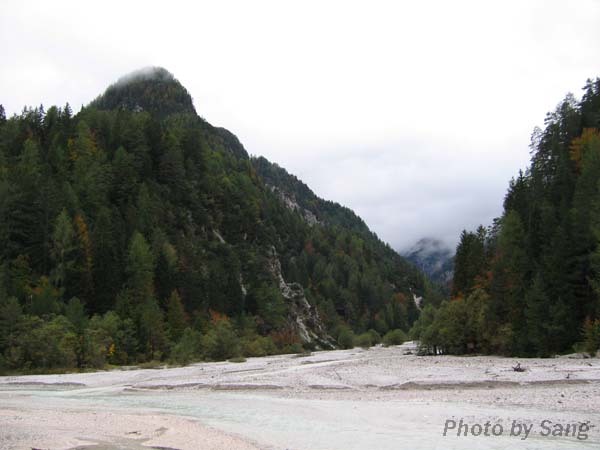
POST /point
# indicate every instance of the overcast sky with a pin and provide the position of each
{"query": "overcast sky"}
(415, 114)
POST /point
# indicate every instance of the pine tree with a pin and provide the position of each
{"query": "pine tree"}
(63, 249)
(469, 262)
(152, 329)
(140, 269)
(510, 271)
(537, 316)
(176, 317)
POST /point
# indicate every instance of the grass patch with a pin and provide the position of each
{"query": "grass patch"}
(237, 359)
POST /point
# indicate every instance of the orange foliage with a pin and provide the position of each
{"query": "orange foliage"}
(73, 155)
(589, 137)
(284, 337)
(483, 280)
(400, 298)
(85, 245)
(308, 247)
(216, 317)
(43, 286)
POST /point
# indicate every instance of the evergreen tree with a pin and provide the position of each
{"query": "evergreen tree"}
(63, 249)
(176, 318)
(136, 198)
(152, 329)
(140, 269)
(537, 316)
(469, 262)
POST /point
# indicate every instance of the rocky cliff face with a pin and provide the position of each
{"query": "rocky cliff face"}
(302, 316)
(293, 205)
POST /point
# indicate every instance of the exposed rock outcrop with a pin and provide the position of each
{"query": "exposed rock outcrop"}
(418, 300)
(302, 316)
(292, 204)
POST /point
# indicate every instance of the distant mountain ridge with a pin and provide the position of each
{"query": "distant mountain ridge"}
(434, 258)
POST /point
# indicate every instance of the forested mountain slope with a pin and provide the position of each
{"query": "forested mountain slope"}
(530, 283)
(434, 258)
(135, 230)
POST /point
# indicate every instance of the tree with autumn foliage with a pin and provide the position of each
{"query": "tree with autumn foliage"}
(539, 265)
(127, 227)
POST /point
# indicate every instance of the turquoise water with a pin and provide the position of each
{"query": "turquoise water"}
(293, 423)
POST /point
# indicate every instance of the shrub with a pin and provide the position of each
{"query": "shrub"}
(394, 337)
(346, 338)
(364, 340)
(50, 344)
(188, 348)
(97, 345)
(292, 348)
(591, 336)
(259, 346)
(109, 339)
(221, 342)
(152, 364)
(375, 337)
(237, 359)
(284, 337)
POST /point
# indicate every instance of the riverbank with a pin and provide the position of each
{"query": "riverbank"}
(268, 402)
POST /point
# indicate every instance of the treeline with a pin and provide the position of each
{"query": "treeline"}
(530, 283)
(136, 231)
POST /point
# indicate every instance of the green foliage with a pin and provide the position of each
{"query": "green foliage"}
(75, 312)
(221, 342)
(259, 346)
(135, 220)
(394, 337)
(153, 336)
(63, 249)
(269, 307)
(151, 89)
(189, 347)
(591, 336)
(11, 327)
(375, 337)
(237, 359)
(294, 348)
(111, 339)
(346, 338)
(470, 262)
(49, 344)
(420, 328)
(176, 318)
(536, 304)
(364, 340)
(140, 269)
(528, 285)
(44, 298)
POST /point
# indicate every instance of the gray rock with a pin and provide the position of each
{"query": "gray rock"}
(302, 316)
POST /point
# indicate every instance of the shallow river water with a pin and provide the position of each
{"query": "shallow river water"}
(295, 423)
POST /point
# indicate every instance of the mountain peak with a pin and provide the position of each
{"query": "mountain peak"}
(434, 258)
(147, 73)
(152, 89)
(428, 245)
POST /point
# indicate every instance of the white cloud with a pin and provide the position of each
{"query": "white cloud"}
(415, 114)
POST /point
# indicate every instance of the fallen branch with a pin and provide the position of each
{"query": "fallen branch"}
(518, 368)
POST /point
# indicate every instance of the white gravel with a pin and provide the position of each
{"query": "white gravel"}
(273, 401)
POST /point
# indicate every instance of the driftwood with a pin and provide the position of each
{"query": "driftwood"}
(518, 368)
